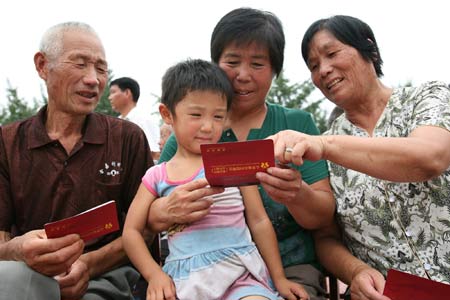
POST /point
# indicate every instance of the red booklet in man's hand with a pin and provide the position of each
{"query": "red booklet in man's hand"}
(236, 163)
(89, 224)
(404, 286)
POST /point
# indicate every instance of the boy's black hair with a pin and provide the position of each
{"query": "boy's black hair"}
(125, 83)
(193, 75)
(246, 25)
(350, 31)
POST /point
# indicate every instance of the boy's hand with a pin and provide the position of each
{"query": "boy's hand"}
(290, 290)
(161, 287)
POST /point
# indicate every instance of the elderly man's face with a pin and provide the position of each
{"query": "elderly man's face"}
(76, 78)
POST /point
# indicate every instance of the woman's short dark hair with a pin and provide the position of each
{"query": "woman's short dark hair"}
(350, 31)
(246, 25)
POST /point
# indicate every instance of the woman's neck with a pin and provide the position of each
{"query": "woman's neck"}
(242, 121)
(366, 113)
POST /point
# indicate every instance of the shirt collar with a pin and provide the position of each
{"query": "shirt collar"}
(94, 131)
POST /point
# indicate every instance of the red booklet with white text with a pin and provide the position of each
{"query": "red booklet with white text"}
(90, 224)
(236, 163)
(404, 286)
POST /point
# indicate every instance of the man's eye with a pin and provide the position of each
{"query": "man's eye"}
(101, 70)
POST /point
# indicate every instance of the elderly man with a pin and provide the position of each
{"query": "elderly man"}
(62, 161)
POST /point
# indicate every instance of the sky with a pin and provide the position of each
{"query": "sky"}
(142, 38)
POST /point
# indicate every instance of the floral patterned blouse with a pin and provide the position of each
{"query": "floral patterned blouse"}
(404, 226)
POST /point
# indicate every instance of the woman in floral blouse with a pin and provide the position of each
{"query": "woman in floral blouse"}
(389, 156)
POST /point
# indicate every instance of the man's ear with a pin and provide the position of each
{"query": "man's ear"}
(165, 113)
(374, 53)
(129, 94)
(41, 65)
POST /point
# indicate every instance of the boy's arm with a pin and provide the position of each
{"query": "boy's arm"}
(132, 236)
(265, 239)
(262, 231)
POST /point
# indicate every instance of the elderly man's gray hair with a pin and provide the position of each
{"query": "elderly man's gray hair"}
(51, 42)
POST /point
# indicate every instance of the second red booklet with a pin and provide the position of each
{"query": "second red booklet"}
(90, 224)
(236, 163)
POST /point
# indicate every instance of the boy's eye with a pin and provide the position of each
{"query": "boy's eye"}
(219, 117)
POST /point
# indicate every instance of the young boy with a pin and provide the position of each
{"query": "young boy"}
(215, 257)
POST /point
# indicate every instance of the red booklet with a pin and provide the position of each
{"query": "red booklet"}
(404, 286)
(236, 163)
(89, 224)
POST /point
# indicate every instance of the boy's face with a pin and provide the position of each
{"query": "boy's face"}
(199, 119)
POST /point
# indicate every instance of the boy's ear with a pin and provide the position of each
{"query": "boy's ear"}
(165, 113)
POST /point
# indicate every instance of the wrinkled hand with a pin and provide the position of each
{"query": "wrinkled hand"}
(368, 284)
(302, 146)
(281, 184)
(74, 283)
(290, 290)
(188, 202)
(161, 287)
(48, 256)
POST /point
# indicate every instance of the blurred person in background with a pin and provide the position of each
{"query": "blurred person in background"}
(124, 94)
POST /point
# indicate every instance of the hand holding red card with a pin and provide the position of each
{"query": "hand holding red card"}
(236, 163)
(404, 286)
(89, 224)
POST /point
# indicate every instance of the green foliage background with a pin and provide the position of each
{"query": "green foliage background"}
(18, 108)
(296, 95)
(292, 95)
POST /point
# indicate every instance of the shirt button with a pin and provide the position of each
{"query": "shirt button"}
(427, 267)
(65, 163)
(392, 199)
(408, 233)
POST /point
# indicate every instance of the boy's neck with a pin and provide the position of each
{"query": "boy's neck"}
(183, 165)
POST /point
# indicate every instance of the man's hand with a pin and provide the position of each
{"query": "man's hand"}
(74, 283)
(368, 284)
(186, 204)
(47, 256)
